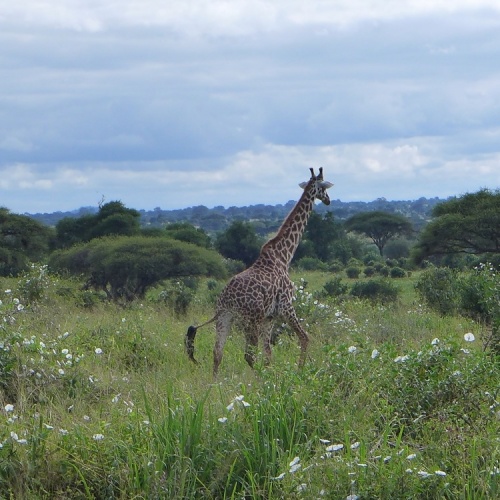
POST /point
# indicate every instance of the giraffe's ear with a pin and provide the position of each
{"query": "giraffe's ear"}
(326, 184)
(303, 185)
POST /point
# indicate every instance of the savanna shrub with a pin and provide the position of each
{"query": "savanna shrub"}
(33, 284)
(352, 272)
(379, 290)
(335, 266)
(369, 271)
(437, 288)
(335, 287)
(397, 272)
(480, 298)
(178, 296)
(384, 271)
(311, 264)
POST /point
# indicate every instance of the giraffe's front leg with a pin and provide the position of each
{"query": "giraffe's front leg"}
(290, 317)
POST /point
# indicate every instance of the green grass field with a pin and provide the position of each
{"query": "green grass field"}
(394, 402)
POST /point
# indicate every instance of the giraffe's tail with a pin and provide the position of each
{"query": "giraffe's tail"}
(190, 336)
(189, 343)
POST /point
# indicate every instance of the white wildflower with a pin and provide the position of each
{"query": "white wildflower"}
(98, 350)
(334, 447)
(295, 465)
(222, 420)
(352, 349)
(375, 354)
(98, 437)
(469, 337)
(9, 408)
(280, 477)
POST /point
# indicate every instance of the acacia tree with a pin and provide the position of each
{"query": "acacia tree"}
(126, 267)
(469, 224)
(379, 226)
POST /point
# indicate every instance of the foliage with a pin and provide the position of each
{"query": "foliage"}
(397, 272)
(178, 295)
(378, 290)
(22, 240)
(395, 249)
(126, 267)
(239, 242)
(33, 284)
(113, 218)
(469, 224)
(322, 232)
(335, 287)
(474, 293)
(189, 233)
(352, 272)
(437, 288)
(311, 264)
(379, 226)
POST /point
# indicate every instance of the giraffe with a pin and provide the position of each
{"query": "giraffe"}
(264, 292)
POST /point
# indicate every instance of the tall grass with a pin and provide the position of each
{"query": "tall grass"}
(100, 401)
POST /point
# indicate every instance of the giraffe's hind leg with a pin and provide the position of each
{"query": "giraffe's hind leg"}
(223, 327)
(251, 343)
(267, 331)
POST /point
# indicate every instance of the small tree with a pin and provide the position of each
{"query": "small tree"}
(239, 242)
(22, 240)
(379, 226)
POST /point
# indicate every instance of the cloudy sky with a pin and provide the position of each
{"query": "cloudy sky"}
(163, 103)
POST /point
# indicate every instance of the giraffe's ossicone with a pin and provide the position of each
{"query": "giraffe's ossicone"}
(264, 292)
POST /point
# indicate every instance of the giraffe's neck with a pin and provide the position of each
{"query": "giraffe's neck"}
(282, 247)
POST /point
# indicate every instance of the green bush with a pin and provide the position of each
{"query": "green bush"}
(369, 271)
(397, 272)
(384, 271)
(437, 288)
(335, 287)
(352, 272)
(178, 295)
(375, 290)
(311, 264)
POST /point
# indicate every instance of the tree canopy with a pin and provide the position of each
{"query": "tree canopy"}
(183, 231)
(126, 267)
(239, 242)
(469, 224)
(113, 218)
(22, 240)
(379, 226)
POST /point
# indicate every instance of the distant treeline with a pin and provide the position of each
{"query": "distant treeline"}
(265, 218)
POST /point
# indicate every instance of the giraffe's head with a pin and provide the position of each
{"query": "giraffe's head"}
(317, 186)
